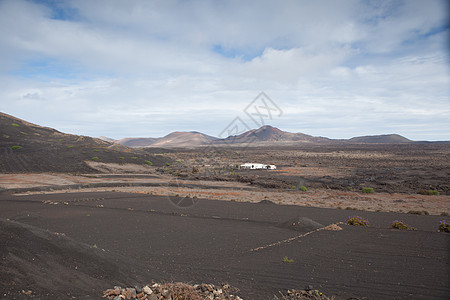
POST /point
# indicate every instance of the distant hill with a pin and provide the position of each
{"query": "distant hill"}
(174, 139)
(265, 135)
(136, 142)
(380, 139)
(268, 133)
(27, 147)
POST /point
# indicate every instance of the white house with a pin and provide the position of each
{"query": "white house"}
(254, 166)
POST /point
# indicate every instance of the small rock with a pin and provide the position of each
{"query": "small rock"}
(120, 297)
(147, 290)
(152, 297)
(132, 291)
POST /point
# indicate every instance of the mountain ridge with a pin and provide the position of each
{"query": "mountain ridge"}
(263, 135)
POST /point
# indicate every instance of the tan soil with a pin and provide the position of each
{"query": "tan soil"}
(234, 191)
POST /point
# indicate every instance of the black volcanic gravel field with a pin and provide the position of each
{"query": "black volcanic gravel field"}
(88, 242)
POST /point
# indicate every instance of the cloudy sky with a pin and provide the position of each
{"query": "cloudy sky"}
(142, 68)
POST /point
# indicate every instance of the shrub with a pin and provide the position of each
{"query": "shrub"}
(428, 192)
(418, 212)
(179, 161)
(367, 190)
(148, 162)
(293, 187)
(303, 188)
(15, 125)
(133, 157)
(95, 158)
(444, 226)
(16, 147)
(357, 221)
(400, 225)
(287, 260)
(96, 150)
(69, 147)
(122, 157)
(167, 164)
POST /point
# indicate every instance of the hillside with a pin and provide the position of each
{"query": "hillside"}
(27, 147)
(271, 134)
(174, 139)
(380, 139)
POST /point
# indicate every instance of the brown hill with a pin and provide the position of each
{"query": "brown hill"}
(380, 139)
(268, 133)
(174, 139)
(27, 147)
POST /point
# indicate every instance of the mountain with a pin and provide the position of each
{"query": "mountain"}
(380, 139)
(136, 142)
(27, 147)
(268, 133)
(174, 139)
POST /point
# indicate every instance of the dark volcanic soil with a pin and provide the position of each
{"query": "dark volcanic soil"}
(212, 242)
(391, 168)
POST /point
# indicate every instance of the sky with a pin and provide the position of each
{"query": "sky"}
(143, 68)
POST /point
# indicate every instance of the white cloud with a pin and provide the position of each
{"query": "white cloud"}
(335, 67)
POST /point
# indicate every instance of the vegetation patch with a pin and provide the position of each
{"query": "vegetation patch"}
(418, 212)
(429, 192)
(15, 125)
(367, 190)
(95, 158)
(444, 226)
(148, 162)
(303, 188)
(400, 225)
(287, 260)
(16, 147)
(358, 221)
(133, 157)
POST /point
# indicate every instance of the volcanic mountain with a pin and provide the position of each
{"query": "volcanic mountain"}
(174, 139)
(380, 139)
(27, 147)
(268, 133)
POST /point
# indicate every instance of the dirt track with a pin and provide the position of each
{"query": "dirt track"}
(212, 241)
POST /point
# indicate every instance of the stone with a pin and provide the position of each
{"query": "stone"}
(152, 297)
(146, 289)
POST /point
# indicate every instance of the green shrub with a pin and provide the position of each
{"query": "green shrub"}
(96, 150)
(122, 157)
(179, 161)
(15, 125)
(60, 140)
(16, 147)
(429, 192)
(303, 188)
(167, 164)
(400, 225)
(148, 162)
(357, 221)
(133, 157)
(444, 226)
(287, 260)
(367, 190)
(69, 147)
(95, 158)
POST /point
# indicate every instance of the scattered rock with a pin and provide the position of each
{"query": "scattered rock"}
(172, 291)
